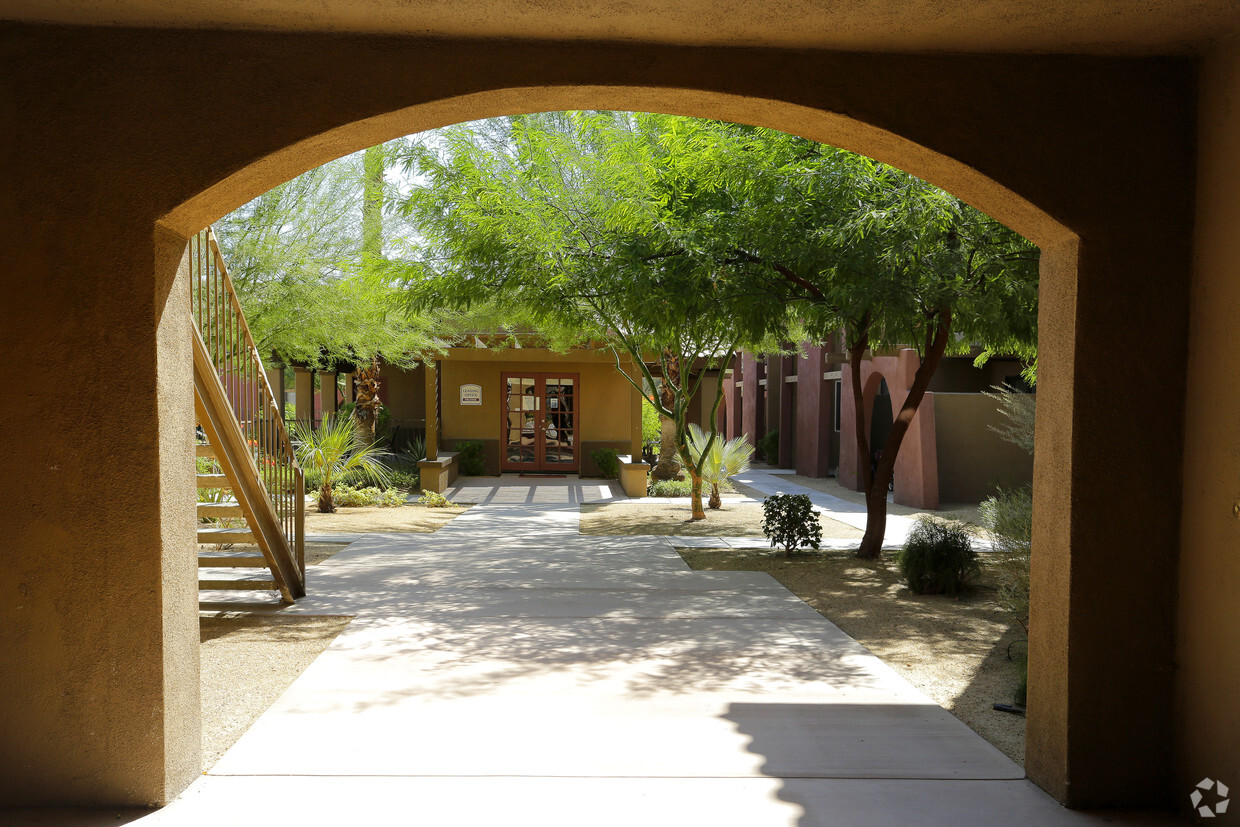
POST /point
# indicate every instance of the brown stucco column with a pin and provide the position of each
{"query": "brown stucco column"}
(303, 395)
(787, 411)
(751, 399)
(99, 682)
(635, 414)
(430, 377)
(772, 396)
(813, 454)
(350, 389)
(275, 378)
(327, 394)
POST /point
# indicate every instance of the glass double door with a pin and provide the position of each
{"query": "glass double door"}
(540, 422)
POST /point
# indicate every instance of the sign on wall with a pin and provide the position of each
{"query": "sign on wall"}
(471, 394)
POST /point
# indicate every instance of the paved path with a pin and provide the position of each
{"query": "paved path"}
(507, 670)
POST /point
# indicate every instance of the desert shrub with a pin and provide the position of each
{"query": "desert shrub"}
(651, 429)
(768, 446)
(470, 460)
(670, 488)
(789, 520)
(724, 460)
(1008, 516)
(433, 499)
(403, 480)
(416, 451)
(607, 462)
(358, 497)
(938, 557)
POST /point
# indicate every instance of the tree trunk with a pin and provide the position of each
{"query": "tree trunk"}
(327, 505)
(367, 404)
(698, 512)
(715, 501)
(668, 467)
(876, 488)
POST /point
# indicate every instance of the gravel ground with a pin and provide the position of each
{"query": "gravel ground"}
(412, 518)
(247, 663)
(952, 650)
(649, 516)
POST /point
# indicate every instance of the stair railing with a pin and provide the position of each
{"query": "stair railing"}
(243, 420)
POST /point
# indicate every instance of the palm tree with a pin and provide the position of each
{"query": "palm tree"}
(334, 449)
(723, 461)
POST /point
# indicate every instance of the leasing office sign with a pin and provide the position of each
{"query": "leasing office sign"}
(471, 394)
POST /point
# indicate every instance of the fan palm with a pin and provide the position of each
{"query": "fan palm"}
(723, 461)
(333, 450)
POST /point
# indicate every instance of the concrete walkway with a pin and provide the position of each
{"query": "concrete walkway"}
(507, 670)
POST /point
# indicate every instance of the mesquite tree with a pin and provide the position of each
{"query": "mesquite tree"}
(866, 249)
(569, 218)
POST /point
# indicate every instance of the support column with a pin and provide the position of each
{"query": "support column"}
(813, 457)
(99, 671)
(327, 394)
(275, 378)
(303, 391)
(773, 398)
(635, 415)
(751, 399)
(432, 407)
(787, 411)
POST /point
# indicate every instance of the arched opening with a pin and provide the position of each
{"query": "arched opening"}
(878, 399)
(1102, 147)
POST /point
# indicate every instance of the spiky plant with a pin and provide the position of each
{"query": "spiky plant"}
(723, 461)
(334, 449)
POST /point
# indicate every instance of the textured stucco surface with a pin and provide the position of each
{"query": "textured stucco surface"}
(1209, 635)
(111, 132)
(1065, 26)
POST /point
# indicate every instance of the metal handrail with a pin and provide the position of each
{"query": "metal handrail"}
(230, 346)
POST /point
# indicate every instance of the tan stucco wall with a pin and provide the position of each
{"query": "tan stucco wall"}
(973, 459)
(603, 411)
(111, 132)
(1208, 667)
(404, 391)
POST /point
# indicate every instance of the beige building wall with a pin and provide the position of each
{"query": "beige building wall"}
(973, 459)
(603, 414)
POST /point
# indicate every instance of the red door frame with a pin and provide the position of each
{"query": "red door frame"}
(539, 464)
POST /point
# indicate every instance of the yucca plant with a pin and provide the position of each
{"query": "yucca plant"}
(333, 450)
(723, 461)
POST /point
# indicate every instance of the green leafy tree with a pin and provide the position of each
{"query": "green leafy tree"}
(566, 217)
(306, 271)
(858, 247)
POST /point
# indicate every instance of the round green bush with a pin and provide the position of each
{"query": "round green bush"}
(938, 558)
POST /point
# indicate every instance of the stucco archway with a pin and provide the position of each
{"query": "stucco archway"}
(184, 126)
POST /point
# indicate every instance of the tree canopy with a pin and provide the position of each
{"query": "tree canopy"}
(310, 294)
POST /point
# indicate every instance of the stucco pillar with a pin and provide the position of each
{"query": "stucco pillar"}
(751, 399)
(772, 396)
(635, 414)
(275, 378)
(327, 394)
(303, 394)
(350, 389)
(787, 411)
(813, 454)
(432, 406)
(99, 677)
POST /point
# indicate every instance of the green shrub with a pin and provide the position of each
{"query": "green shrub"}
(768, 446)
(470, 460)
(938, 557)
(1008, 516)
(409, 481)
(433, 499)
(670, 488)
(789, 520)
(651, 429)
(607, 462)
(358, 497)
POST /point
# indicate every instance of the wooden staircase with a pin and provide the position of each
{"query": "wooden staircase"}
(255, 539)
